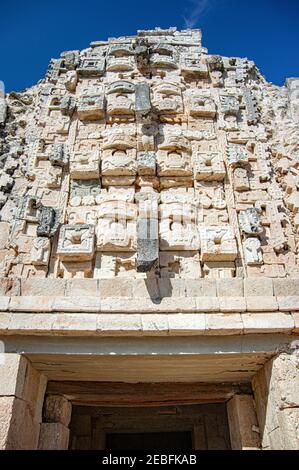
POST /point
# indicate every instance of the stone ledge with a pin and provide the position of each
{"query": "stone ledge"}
(93, 304)
(174, 324)
(268, 322)
(151, 287)
(144, 295)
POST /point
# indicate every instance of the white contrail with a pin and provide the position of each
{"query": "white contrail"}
(195, 11)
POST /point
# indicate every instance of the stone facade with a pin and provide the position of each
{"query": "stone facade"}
(150, 188)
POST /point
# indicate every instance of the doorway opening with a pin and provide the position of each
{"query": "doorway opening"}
(177, 427)
(150, 441)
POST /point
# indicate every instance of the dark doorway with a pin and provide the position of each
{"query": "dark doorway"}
(174, 427)
(150, 441)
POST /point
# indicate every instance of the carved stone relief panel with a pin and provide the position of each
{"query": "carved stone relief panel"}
(91, 66)
(116, 228)
(118, 162)
(191, 65)
(237, 155)
(85, 165)
(84, 192)
(146, 163)
(218, 244)
(250, 222)
(181, 264)
(209, 166)
(167, 98)
(113, 264)
(120, 64)
(116, 234)
(178, 228)
(40, 252)
(219, 270)
(252, 251)
(91, 106)
(173, 163)
(120, 98)
(200, 103)
(76, 242)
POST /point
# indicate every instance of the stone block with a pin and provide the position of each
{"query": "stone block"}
(285, 380)
(147, 288)
(57, 409)
(207, 304)
(258, 287)
(286, 287)
(116, 288)
(77, 287)
(170, 287)
(119, 324)
(35, 323)
(31, 303)
(295, 317)
(289, 428)
(154, 324)
(288, 303)
(4, 234)
(232, 304)
(175, 304)
(276, 396)
(72, 323)
(232, 287)
(53, 436)
(4, 321)
(18, 431)
(261, 304)
(201, 288)
(243, 426)
(147, 244)
(191, 324)
(44, 287)
(267, 322)
(4, 303)
(10, 287)
(34, 391)
(224, 324)
(13, 373)
(76, 304)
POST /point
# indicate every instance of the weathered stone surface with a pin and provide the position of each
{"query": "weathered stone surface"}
(18, 431)
(286, 287)
(53, 436)
(267, 322)
(230, 287)
(22, 390)
(258, 287)
(57, 409)
(42, 287)
(150, 188)
(201, 288)
(244, 433)
(223, 324)
(147, 244)
(276, 396)
(254, 304)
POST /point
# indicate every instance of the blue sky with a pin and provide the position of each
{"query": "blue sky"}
(33, 31)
